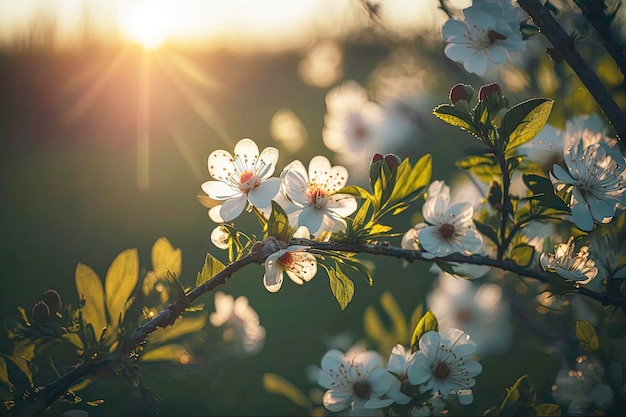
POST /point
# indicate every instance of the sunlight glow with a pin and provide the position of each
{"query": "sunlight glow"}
(147, 22)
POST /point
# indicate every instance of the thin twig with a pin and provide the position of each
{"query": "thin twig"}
(566, 46)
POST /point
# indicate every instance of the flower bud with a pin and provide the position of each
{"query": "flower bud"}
(489, 90)
(41, 312)
(461, 92)
(220, 237)
(392, 161)
(377, 157)
(53, 300)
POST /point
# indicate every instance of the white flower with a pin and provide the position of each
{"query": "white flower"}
(242, 322)
(241, 178)
(220, 237)
(478, 309)
(583, 388)
(484, 37)
(357, 381)
(576, 267)
(442, 364)
(397, 365)
(313, 194)
(352, 123)
(597, 180)
(449, 228)
(299, 265)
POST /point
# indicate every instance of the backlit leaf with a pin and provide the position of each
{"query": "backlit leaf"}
(547, 409)
(166, 353)
(522, 254)
(90, 289)
(278, 223)
(183, 326)
(393, 310)
(454, 117)
(341, 286)
(586, 335)
(119, 285)
(276, 384)
(524, 121)
(212, 266)
(426, 324)
(165, 258)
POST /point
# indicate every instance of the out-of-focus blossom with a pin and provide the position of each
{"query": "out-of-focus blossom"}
(569, 264)
(241, 178)
(357, 381)
(483, 39)
(352, 122)
(322, 64)
(443, 364)
(314, 196)
(583, 389)
(477, 309)
(288, 130)
(449, 228)
(298, 264)
(595, 176)
(241, 321)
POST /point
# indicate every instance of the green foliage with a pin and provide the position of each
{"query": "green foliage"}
(212, 266)
(426, 324)
(522, 254)
(587, 336)
(523, 122)
(393, 192)
(385, 339)
(278, 223)
(277, 384)
(341, 286)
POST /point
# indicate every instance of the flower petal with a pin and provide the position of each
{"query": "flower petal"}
(219, 190)
(266, 164)
(233, 207)
(342, 205)
(262, 195)
(273, 278)
(311, 218)
(582, 216)
(221, 166)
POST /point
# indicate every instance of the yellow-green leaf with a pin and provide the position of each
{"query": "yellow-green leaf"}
(586, 335)
(165, 258)
(426, 324)
(341, 286)
(276, 384)
(524, 121)
(454, 117)
(183, 326)
(119, 285)
(4, 375)
(393, 310)
(375, 329)
(167, 353)
(547, 409)
(89, 288)
(212, 266)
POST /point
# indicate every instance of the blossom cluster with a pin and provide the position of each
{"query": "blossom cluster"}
(422, 380)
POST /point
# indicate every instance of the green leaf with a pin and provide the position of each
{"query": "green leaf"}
(483, 166)
(411, 184)
(341, 286)
(547, 409)
(586, 335)
(487, 230)
(522, 254)
(89, 288)
(356, 191)
(375, 329)
(494, 196)
(119, 284)
(167, 353)
(276, 384)
(19, 377)
(524, 121)
(454, 117)
(393, 310)
(543, 192)
(212, 266)
(426, 324)
(165, 258)
(278, 223)
(183, 326)
(512, 394)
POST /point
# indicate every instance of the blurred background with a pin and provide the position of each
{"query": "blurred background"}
(109, 110)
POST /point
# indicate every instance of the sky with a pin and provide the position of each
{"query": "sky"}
(289, 22)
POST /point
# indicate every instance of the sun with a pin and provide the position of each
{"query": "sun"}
(147, 22)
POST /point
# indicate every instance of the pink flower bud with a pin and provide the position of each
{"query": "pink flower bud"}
(461, 92)
(392, 161)
(41, 312)
(53, 300)
(377, 157)
(489, 90)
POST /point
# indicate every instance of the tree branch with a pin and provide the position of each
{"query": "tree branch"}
(258, 255)
(565, 45)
